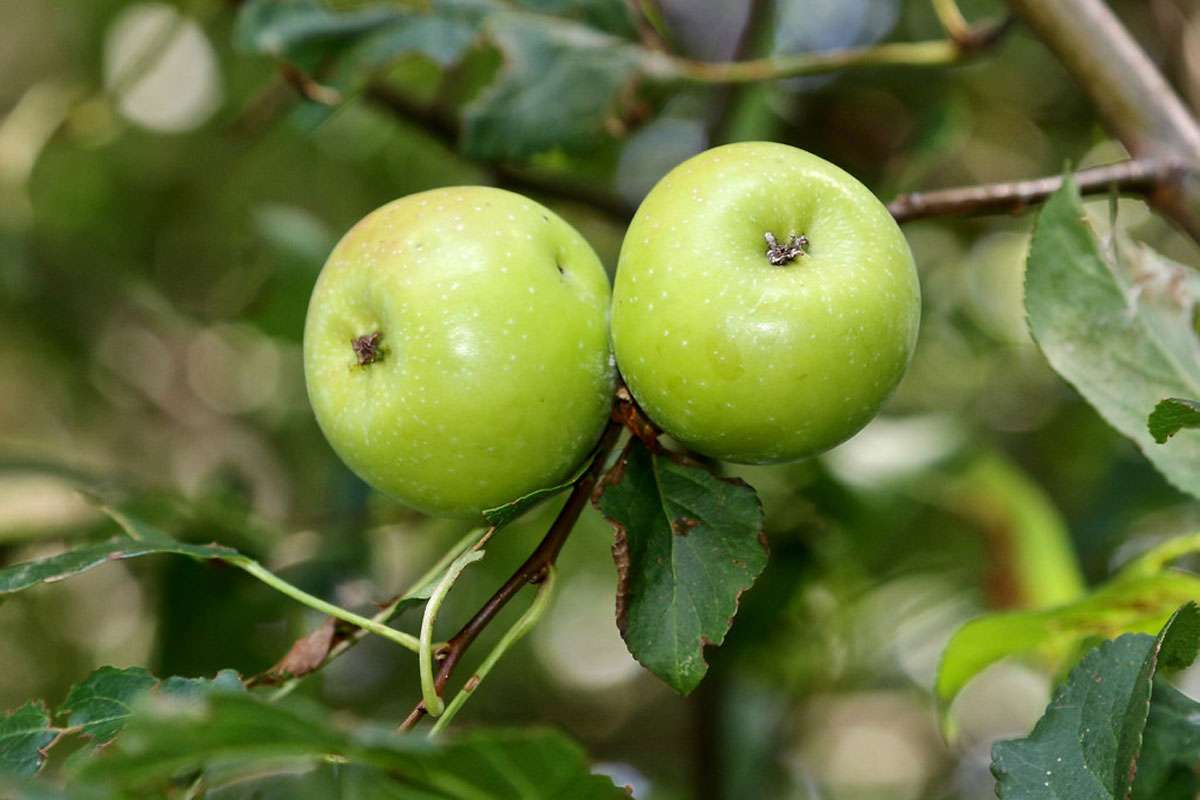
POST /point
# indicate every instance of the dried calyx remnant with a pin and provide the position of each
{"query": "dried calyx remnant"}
(367, 349)
(785, 253)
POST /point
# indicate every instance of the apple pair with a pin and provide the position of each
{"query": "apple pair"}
(457, 354)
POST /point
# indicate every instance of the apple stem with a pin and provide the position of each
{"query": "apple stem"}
(781, 254)
(367, 349)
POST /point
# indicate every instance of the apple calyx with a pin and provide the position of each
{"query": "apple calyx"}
(781, 254)
(367, 349)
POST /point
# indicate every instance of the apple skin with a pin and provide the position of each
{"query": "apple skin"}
(493, 376)
(748, 362)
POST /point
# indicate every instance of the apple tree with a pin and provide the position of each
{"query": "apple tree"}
(613, 275)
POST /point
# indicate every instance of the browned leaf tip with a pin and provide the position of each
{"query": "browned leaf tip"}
(614, 475)
(620, 551)
(306, 655)
(626, 412)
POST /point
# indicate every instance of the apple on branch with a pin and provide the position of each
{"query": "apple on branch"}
(456, 349)
(766, 304)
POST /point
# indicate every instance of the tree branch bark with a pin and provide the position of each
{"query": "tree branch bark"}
(1132, 97)
(1138, 176)
(532, 571)
(931, 53)
(445, 128)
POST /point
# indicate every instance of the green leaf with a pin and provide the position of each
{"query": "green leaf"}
(226, 680)
(16, 577)
(281, 27)
(29, 789)
(164, 739)
(323, 782)
(1139, 603)
(442, 35)
(688, 543)
(502, 515)
(101, 703)
(1170, 747)
(1117, 326)
(611, 16)
(1172, 415)
(1086, 745)
(1031, 533)
(24, 735)
(557, 88)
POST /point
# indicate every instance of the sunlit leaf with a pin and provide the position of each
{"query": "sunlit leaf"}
(1086, 745)
(1027, 533)
(1134, 603)
(1117, 323)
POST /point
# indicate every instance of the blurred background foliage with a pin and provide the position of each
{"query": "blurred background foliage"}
(166, 200)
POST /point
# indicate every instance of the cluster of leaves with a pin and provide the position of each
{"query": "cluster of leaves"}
(540, 76)
(172, 729)
(688, 544)
(1115, 729)
(565, 77)
(97, 709)
(1115, 319)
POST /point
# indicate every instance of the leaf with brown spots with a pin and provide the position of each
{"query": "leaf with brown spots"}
(687, 544)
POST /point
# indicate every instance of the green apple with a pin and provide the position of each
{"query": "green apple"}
(765, 305)
(456, 349)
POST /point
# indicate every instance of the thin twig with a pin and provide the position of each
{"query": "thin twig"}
(1133, 99)
(252, 567)
(952, 19)
(936, 52)
(523, 625)
(1137, 176)
(444, 127)
(472, 541)
(532, 571)
(309, 87)
(647, 18)
(431, 698)
(726, 100)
